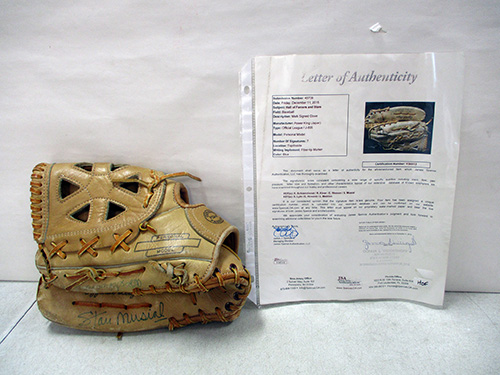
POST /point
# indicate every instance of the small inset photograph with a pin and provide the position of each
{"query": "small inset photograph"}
(398, 127)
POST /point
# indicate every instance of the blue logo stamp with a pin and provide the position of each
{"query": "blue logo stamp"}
(285, 231)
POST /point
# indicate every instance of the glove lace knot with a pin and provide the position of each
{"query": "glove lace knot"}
(97, 274)
(178, 273)
(157, 180)
(84, 274)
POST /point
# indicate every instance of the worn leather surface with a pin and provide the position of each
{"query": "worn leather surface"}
(138, 233)
(97, 189)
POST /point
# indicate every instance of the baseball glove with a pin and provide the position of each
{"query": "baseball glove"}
(398, 128)
(120, 248)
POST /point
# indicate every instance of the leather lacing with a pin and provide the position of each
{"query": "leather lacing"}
(176, 273)
(120, 241)
(203, 317)
(96, 275)
(89, 273)
(153, 184)
(219, 280)
(112, 305)
(88, 247)
(241, 281)
(374, 112)
(36, 185)
(391, 142)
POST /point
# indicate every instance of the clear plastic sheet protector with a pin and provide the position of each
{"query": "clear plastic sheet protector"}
(350, 164)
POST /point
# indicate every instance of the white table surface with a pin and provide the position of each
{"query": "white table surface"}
(383, 337)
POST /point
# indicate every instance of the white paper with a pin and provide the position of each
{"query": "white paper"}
(334, 210)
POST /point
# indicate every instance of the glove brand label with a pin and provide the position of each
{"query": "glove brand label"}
(169, 243)
(212, 217)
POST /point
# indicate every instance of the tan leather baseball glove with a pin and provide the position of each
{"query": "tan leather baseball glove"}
(399, 128)
(120, 248)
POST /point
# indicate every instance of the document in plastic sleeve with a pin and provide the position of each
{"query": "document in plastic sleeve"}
(350, 164)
